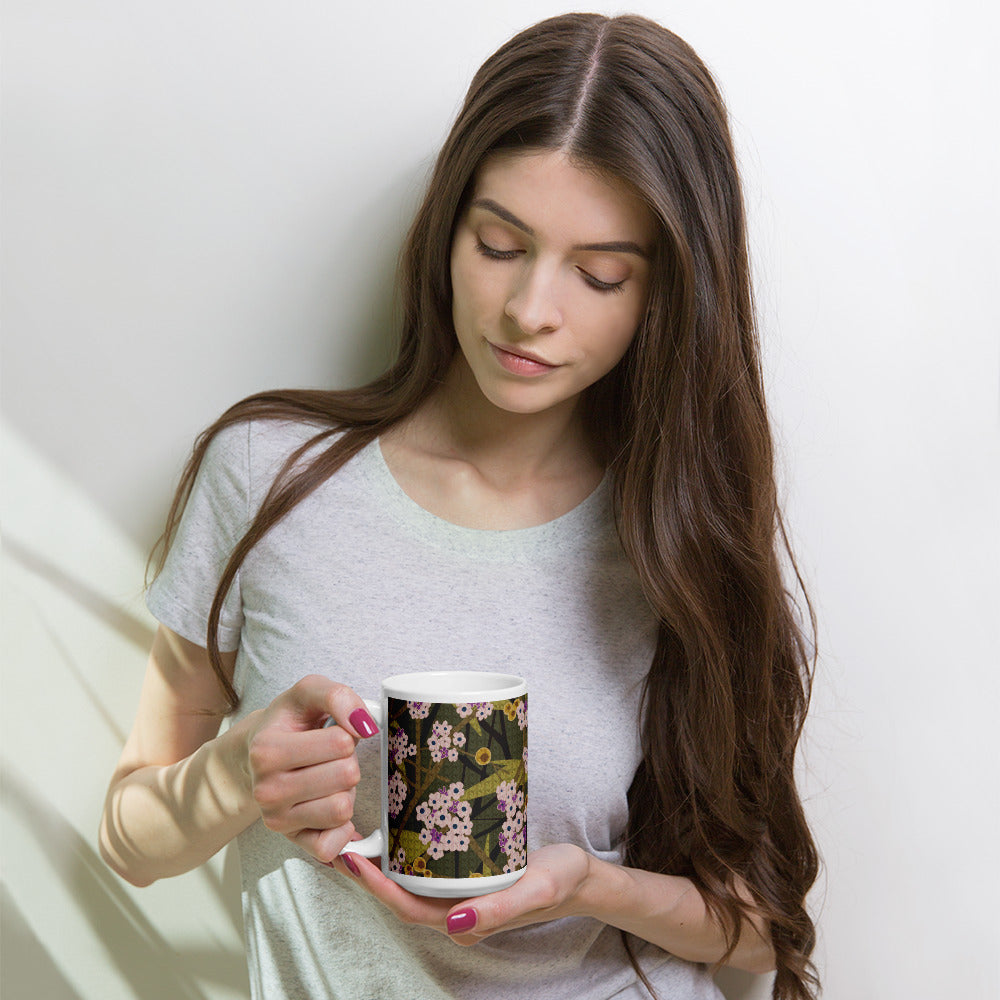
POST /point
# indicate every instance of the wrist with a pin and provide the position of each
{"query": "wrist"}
(601, 883)
(234, 750)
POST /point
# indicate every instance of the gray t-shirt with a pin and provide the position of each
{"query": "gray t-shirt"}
(357, 583)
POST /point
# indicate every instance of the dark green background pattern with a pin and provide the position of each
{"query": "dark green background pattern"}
(500, 743)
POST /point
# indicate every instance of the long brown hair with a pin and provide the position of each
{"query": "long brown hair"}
(683, 426)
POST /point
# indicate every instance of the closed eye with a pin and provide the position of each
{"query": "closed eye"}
(601, 286)
(493, 252)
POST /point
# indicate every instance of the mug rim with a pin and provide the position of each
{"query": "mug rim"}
(462, 686)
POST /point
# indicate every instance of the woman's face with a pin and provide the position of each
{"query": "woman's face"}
(550, 272)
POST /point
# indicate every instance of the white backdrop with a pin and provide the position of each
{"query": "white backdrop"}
(205, 199)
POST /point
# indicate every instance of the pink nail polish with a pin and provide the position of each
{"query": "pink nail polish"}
(363, 723)
(352, 865)
(462, 921)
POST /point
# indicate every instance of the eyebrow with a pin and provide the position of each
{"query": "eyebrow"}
(612, 246)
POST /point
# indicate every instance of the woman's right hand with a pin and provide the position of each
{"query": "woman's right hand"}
(303, 776)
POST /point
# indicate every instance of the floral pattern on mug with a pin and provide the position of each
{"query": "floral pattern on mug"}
(458, 788)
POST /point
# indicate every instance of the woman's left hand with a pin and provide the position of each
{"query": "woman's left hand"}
(549, 889)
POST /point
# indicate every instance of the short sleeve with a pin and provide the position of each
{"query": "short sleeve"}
(215, 518)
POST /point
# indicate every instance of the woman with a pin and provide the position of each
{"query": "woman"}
(567, 471)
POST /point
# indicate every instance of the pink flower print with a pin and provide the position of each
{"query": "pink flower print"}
(507, 796)
(398, 863)
(455, 842)
(400, 747)
(458, 739)
(436, 849)
(446, 821)
(438, 803)
(397, 794)
(516, 863)
(439, 743)
(432, 838)
(464, 711)
(419, 709)
(513, 842)
(512, 837)
(484, 710)
(522, 715)
(511, 828)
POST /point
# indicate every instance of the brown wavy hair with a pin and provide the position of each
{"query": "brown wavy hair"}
(683, 427)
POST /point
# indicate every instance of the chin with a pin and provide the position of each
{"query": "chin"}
(526, 403)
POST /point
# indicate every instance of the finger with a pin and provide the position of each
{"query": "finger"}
(523, 903)
(410, 908)
(272, 751)
(314, 698)
(324, 845)
(318, 797)
(461, 925)
(345, 862)
(341, 867)
(282, 789)
(326, 813)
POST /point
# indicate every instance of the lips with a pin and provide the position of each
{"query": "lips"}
(521, 362)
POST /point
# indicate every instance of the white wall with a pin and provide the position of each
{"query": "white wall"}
(205, 199)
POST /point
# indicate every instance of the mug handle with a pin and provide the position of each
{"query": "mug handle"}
(372, 846)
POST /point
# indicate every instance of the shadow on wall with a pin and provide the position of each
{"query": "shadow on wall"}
(22, 949)
(144, 960)
(108, 613)
(75, 640)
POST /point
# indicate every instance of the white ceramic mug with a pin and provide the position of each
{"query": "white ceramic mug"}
(454, 782)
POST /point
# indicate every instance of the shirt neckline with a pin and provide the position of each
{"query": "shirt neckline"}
(581, 527)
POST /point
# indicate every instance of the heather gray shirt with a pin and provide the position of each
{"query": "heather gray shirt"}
(359, 582)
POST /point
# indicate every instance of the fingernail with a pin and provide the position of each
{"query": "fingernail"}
(363, 723)
(463, 920)
(352, 865)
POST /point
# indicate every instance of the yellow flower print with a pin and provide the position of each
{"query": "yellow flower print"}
(420, 866)
(510, 710)
(483, 755)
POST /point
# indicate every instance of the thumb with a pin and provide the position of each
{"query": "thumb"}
(463, 920)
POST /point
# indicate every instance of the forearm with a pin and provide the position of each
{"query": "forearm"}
(669, 911)
(164, 820)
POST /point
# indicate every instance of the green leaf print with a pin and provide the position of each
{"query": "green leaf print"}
(507, 771)
(409, 840)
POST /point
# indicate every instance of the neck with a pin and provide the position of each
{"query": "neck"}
(459, 421)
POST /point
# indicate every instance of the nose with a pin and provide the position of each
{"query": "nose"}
(533, 303)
